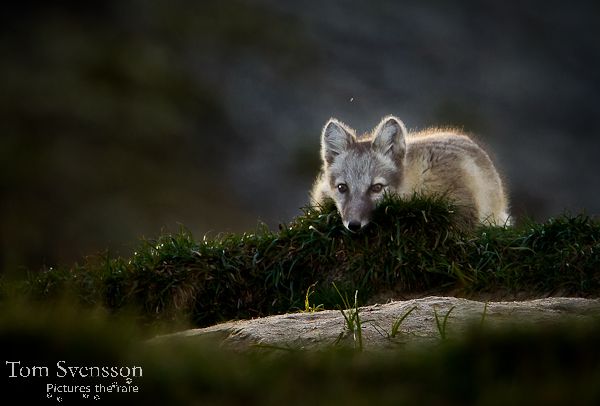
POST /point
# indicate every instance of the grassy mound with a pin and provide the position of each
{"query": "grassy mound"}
(410, 247)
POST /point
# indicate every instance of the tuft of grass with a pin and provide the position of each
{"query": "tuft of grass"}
(441, 326)
(352, 318)
(411, 246)
(397, 323)
(484, 314)
(308, 308)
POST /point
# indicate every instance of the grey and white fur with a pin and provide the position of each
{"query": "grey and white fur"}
(356, 171)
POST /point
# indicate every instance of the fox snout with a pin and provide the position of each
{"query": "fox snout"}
(357, 216)
(355, 225)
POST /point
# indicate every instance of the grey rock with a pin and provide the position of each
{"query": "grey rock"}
(328, 328)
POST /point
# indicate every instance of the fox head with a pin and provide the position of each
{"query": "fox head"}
(359, 170)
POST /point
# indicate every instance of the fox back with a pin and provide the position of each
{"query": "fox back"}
(356, 171)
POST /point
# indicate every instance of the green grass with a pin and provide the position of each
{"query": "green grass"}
(411, 247)
(353, 320)
(441, 326)
(396, 325)
(311, 308)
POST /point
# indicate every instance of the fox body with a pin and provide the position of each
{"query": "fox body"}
(356, 171)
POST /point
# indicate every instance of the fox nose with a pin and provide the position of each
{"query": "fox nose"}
(354, 226)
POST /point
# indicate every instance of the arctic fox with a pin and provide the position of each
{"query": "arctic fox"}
(357, 171)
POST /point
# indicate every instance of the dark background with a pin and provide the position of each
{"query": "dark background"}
(123, 119)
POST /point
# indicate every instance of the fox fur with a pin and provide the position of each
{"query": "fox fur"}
(356, 171)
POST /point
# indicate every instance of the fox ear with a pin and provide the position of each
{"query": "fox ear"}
(335, 139)
(390, 137)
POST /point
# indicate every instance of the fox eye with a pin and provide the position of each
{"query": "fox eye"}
(376, 188)
(342, 188)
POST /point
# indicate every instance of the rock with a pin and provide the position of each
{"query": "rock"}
(329, 327)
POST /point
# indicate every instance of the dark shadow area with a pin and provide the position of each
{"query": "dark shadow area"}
(123, 119)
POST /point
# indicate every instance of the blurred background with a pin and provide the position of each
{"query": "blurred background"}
(123, 119)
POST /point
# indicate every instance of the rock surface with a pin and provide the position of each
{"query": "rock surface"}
(326, 328)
